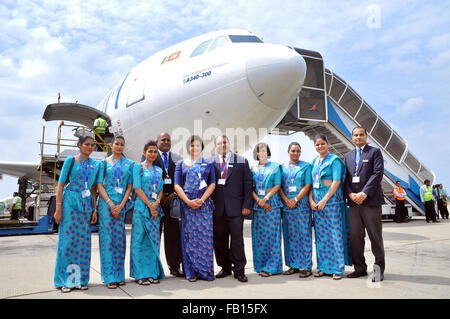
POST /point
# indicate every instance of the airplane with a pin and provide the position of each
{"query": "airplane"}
(219, 80)
(231, 82)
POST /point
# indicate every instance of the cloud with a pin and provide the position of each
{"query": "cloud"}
(32, 68)
(439, 42)
(441, 59)
(410, 106)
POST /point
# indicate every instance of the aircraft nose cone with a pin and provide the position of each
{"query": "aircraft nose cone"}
(276, 74)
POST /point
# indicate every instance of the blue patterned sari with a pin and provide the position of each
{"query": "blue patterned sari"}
(112, 234)
(197, 224)
(266, 226)
(145, 239)
(297, 223)
(331, 224)
(73, 255)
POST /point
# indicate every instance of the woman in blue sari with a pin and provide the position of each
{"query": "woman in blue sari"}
(194, 183)
(145, 263)
(114, 188)
(75, 211)
(329, 212)
(297, 227)
(266, 223)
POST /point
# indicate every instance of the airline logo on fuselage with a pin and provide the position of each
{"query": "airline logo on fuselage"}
(171, 57)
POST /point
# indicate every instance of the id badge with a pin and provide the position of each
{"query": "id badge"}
(316, 183)
(261, 192)
(292, 189)
(86, 193)
(202, 184)
(221, 181)
(167, 181)
(154, 196)
(119, 190)
(355, 179)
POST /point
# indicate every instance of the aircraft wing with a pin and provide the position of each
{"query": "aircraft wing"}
(28, 170)
(31, 171)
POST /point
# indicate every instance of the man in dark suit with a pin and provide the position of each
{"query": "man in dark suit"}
(362, 186)
(232, 200)
(172, 238)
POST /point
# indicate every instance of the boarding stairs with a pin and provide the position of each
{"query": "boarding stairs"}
(328, 105)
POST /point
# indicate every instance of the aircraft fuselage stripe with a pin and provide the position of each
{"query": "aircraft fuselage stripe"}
(118, 92)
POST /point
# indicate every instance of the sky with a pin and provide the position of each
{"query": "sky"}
(395, 54)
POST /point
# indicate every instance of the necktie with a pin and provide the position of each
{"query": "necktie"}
(166, 162)
(224, 174)
(358, 157)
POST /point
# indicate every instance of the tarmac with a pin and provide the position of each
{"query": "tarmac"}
(417, 267)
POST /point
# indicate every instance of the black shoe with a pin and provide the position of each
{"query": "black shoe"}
(192, 279)
(177, 273)
(223, 273)
(241, 278)
(436, 221)
(357, 274)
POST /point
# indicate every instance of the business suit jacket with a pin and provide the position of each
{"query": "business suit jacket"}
(370, 170)
(172, 237)
(236, 194)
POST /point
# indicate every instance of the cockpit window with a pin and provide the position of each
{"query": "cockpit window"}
(218, 42)
(244, 38)
(201, 48)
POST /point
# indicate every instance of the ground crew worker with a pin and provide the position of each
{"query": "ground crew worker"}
(401, 213)
(437, 196)
(16, 207)
(427, 198)
(100, 130)
(442, 201)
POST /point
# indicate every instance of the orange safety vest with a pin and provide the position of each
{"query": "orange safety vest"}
(400, 191)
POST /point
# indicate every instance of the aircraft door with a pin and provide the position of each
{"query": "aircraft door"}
(136, 89)
(312, 97)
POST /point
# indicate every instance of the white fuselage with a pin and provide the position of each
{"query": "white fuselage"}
(238, 89)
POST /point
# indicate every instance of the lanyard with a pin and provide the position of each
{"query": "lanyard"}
(117, 169)
(197, 166)
(153, 175)
(292, 173)
(85, 168)
(319, 166)
(261, 177)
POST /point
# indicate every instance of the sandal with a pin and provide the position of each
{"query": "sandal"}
(122, 283)
(112, 285)
(143, 282)
(265, 274)
(305, 273)
(153, 281)
(320, 273)
(65, 289)
(192, 279)
(337, 277)
(84, 287)
(290, 271)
